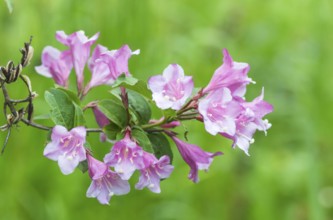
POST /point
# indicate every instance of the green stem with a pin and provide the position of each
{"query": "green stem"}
(157, 123)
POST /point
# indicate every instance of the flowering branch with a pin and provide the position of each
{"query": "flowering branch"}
(138, 142)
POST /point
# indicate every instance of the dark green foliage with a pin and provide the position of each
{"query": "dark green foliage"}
(64, 110)
(161, 145)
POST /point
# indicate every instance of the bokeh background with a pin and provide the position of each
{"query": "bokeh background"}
(288, 44)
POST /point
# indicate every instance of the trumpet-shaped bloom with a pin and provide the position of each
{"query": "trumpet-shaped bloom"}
(154, 170)
(105, 183)
(125, 157)
(256, 110)
(56, 64)
(219, 112)
(106, 66)
(66, 147)
(79, 46)
(172, 88)
(232, 75)
(243, 136)
(195, 157)
(250, 120)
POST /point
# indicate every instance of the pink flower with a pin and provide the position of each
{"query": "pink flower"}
(219, 112)
(195, 157)
(125, 157)
(79, 47)
(154, 170)
(250, 120)
(105, 183)
(256, 110)
(172, 88)
(66, 147)
(56, 64)
(232, 75)
(243, 136)
(106, 66)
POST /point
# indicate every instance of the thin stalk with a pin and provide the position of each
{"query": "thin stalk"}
(157, 123)
(35, 125)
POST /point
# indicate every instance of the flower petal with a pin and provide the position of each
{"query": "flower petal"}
(68, 164)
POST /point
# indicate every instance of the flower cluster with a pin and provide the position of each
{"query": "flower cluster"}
(140, 143)
(105, 65)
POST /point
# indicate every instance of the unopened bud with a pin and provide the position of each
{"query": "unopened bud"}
(14, 74)
(27, 53)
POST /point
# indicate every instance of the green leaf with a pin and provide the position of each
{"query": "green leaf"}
(125, 80)
(65, 108)
(141, 137)
(71, 95)
(114, 111)
(140, 106)
(62, 108)
(134, 84)
(83, 166)
(161, 145)
(112, 130)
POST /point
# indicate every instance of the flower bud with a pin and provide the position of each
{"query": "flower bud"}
(27, 53)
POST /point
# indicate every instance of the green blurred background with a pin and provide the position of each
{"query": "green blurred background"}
(288, 44)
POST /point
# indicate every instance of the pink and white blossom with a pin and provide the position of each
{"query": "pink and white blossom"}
(79, 46)
(195, 157)
(154, 170)
(231, 75)
(219, 111)
(105, 183)
(172, 88)
(126, 157)
(56, 64)
(249, 120)
(66, 147)
(256, 110)
(106, 66)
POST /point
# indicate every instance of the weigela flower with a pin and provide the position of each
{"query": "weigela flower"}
(105, 183)
(125, 157)
(250, 120)
(66, 147)
(154, 170)
(243, 136)
(195, 157)
(232, 75)
(56, 64)
(256, 110)
(79, 46)
(172, 88)
(106, 66)
(219, 111)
